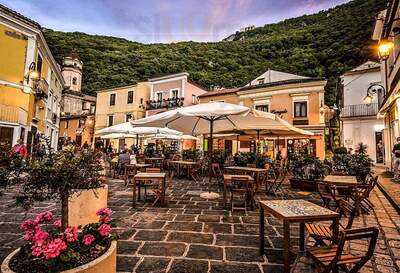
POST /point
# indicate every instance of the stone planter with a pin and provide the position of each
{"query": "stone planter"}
(302, 184)
(106, 263)
(83, 205)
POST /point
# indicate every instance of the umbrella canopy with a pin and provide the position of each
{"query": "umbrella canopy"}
(174, 137)
(128, 128)
(118, 135)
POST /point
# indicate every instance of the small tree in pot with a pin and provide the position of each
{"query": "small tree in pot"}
(306, 170)
(59, 175)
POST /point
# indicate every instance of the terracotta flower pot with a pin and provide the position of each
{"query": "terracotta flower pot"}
(84, 204)
(106, 263)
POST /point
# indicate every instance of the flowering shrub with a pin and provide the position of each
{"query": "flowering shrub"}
(49, 249)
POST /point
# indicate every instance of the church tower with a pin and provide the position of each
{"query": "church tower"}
(72, 72)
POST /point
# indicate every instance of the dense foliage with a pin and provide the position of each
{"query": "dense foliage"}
(307, 167)
(325, 44)
(191, 154)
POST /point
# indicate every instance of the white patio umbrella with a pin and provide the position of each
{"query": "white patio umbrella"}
(117, 135)
(174, 137)
(198, 119)
(129, 128)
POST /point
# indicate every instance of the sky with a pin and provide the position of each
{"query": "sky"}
(163, 21)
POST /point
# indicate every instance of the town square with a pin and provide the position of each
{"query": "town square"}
(199, 136)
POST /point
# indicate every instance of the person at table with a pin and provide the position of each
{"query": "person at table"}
(132, 158)
(20, 148)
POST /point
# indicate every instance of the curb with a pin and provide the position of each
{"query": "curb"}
(388, 197)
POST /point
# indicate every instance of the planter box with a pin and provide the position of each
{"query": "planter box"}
(302, 184)
(106, 263)
(83, 205)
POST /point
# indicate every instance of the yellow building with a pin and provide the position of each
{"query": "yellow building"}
(30, 82)
(295, 98)
(119, 105)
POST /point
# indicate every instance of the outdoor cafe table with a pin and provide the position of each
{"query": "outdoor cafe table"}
(136, 167)
(341, 180)
(227, 181)
(154, 160)
(140, 178)
(187, 164)
(247, 170)
(295, 211)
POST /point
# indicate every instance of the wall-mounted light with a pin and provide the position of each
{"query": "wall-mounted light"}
(384, 48)
(33, 74)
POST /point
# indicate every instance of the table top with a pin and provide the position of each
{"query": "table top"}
(346, 180)
(154, 158)
(149, 175)
(230, 176)
(250, 169)
(297, 210)
(183, 162)
(139, 165)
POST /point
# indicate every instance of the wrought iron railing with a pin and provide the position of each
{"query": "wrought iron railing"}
(165, 103)
(360, 110)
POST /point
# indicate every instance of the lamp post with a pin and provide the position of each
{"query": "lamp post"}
(373, 90)
(384, 49)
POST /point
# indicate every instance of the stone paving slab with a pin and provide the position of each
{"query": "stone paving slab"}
(199, 236)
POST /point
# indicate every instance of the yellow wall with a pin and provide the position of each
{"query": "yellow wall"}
(12, 55)
(121, 107)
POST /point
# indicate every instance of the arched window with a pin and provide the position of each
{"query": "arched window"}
(74, 80)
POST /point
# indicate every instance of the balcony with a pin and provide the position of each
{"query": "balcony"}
(300, 121)
(165, 103)
(360, 110)
(54, 118)
(13, 114)
(41, 89)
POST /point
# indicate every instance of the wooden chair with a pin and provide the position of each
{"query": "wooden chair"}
(217, 173)
(325, 192)
(240, 186)
(330, 258)
(274, 185)
(153, 185)
(362, 193)
(321, 233)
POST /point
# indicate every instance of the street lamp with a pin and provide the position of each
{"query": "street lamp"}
(33, 74)
(372, 90)
(384, 48)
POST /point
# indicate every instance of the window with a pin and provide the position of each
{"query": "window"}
(141, 100)
(81, 122)
(264, 108)
(110, 120)
(112, 99)
(159, 96)
(39, 65)
(92, 108)
(260, 81)
(300, 109)
(194, 99)
(130, 97)
(66, 124)
(84, 105)
(74, 80)
(174, 94)
(128, 117)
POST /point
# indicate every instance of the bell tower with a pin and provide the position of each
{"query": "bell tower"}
(72, 72)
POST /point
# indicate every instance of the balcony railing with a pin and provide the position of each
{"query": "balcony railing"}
(13, 114)
(360, 110)
(165, 103)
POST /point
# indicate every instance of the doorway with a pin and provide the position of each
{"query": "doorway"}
(6, 135)
(380, 147)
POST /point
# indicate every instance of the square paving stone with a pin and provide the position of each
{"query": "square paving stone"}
(273, 268)
(127, 247)
(227, 267)
(163, 249)
(126, 263)
(192, 211)
(205, 252)
(208, 218)
(230, 219)
(150, 225)
(166, 216)
(246, 229)
(241, 254)
(251, 219)
(184, 226)
(150, 235)
(237, 240)
(275, 256)
(187, 237)
(214, 212)
(153, 265)
(125, 234)
(188, 266)
(217, 228)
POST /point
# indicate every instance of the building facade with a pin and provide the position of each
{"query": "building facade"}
(78, 112)
(30, 82)
(359, 119)
(170, 92)
(296, 99)
(121, 104)
(387, 32)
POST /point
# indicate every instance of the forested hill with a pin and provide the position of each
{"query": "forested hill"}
(325, 44)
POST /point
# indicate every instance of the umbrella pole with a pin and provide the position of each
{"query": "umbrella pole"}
(237, 144)
(258, 142)
(137, 140)
(210, 151)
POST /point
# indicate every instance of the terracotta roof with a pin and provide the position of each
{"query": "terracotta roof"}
(219, 92)
(285, 82)
(19, 16)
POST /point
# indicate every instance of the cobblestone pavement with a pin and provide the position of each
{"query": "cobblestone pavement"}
(195, 235)
(391, 187)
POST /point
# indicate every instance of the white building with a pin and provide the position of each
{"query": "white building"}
(359, 120)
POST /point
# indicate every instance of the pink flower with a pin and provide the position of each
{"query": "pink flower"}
(40, 237)
(28, 235)
(88, 239)
(28, 225)
(47, 216)
(105, 219)
(71, 234)
(104, 212)
(54, 248)
(104, 229)
(57, 223)
(37, 251)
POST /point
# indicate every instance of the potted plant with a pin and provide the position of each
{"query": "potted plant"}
(244, 158)
(306, 171)
(191, 154)
(50, 248)
(149, 150)
(219, 156)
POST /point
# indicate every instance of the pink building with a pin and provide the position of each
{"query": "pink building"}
(171, 91)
